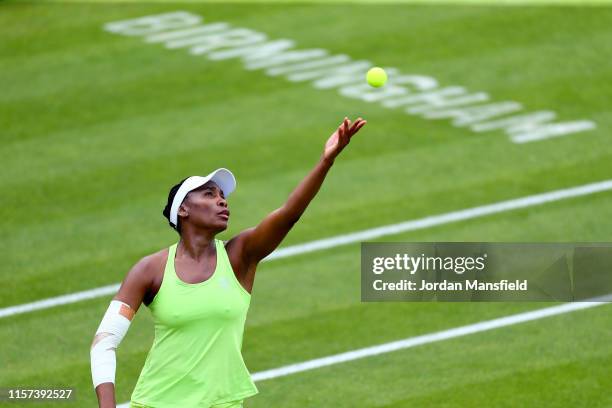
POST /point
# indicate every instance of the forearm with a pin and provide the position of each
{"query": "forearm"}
(106, 395)
(260, 241)
(112, 329)
(304, 193)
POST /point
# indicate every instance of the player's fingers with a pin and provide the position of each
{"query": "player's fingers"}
(345, 135)
(344, 128)
(358, 127)
(354, 126)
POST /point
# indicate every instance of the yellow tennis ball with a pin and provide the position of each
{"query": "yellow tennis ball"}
(376, 77)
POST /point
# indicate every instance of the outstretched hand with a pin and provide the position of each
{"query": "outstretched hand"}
(341, 137)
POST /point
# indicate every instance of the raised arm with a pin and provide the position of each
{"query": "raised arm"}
(260, 241)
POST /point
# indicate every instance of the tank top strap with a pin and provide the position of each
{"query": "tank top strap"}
(222, 260)
(167, 278)
(169, 269)
(225, 270)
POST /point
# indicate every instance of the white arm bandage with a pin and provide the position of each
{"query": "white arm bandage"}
(111, 331)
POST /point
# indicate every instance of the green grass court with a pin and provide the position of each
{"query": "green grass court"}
(96, 127)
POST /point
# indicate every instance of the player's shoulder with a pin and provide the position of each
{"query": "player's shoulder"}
(236, 243)
(236, 249)
(150, 265)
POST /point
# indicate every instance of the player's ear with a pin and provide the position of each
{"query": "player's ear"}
(182, 211)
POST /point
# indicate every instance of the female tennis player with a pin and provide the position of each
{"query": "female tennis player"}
(198, 291)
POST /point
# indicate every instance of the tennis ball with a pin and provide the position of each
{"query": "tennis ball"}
(376, 77)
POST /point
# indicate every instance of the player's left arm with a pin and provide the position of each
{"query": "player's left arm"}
(258, 242)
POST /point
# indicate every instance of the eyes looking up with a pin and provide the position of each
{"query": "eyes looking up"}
(208, 192)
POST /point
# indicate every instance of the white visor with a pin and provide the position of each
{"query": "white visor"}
(223, 177)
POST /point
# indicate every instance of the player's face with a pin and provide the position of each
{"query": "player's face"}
(206, 207)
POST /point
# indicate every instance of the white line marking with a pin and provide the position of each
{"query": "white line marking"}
(424, 339)
(59, 300)
(358, 236)
(447, 218)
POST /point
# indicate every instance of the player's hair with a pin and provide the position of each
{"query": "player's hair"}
(166, 210)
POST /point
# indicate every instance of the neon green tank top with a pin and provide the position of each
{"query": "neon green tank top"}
(196, 359)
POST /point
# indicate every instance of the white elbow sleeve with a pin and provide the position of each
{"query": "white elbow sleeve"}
(111, 331)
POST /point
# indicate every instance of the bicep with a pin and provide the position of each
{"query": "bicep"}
(130, 294)
(135, 285)
(260, 241)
